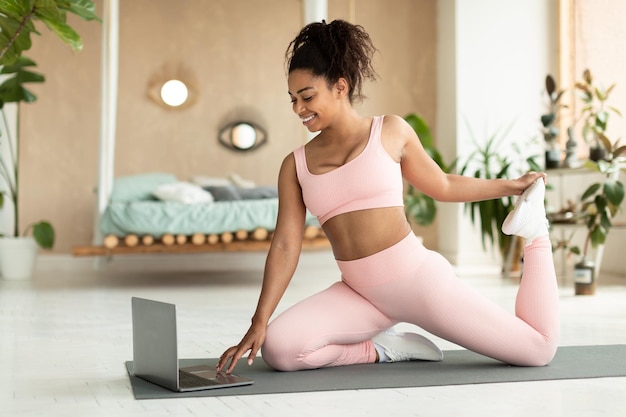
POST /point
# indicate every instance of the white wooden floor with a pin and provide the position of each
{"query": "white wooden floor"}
(66, 334)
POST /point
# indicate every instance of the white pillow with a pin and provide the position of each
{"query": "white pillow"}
(240, 182)
(204, 181)
(183, 192)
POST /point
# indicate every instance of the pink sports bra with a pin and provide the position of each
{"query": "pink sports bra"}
(371, 180)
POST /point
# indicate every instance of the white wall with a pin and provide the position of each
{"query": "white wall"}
(493, 59)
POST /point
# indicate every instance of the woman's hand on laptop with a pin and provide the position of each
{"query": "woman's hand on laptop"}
(252, 341)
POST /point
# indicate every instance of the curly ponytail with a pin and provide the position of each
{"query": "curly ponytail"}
(335, 50)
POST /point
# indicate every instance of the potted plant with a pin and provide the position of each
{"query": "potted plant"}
(419, 206)
(16, 25)
(595, 114)
(488, 161)
(599, 204)
(550, 129)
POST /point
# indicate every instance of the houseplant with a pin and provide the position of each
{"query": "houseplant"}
(595, 114)
(419, 206)
(489, 161)
(600, 202)
(16, 26)
(550, 129)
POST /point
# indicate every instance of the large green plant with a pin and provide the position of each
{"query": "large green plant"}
(17, 23)
(602, 200)
(419, 206)
(489, 161)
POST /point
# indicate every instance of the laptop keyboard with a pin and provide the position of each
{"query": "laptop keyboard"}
(187, 380)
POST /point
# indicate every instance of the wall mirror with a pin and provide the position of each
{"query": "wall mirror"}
(242, 136)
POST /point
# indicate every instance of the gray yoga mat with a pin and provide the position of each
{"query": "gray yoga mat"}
(459, 367)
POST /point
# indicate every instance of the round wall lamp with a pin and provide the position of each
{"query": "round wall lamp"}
(173, 87)
(174, 93)
(242, 136)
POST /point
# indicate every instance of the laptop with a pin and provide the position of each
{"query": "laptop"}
(155, 352)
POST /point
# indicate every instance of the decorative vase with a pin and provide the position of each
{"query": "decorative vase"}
(553, 155)
(17, 257)
(584, 277)
(597, 153)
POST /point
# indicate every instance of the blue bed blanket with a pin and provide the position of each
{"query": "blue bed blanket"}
(157, 218)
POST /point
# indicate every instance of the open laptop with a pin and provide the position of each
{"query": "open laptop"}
(155, 352)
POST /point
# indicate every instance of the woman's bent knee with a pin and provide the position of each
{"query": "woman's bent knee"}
(540, 357)
(277, 356)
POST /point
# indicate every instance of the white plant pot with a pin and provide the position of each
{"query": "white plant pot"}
(17, 257)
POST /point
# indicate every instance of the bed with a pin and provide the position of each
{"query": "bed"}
(158, 213)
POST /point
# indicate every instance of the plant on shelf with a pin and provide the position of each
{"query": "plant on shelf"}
(600, 203)
(595, 114)
(16, 26)
(550, 129)
(489, 161)
(419, 206)
(602, 200)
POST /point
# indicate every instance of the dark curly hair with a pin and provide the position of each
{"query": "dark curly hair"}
(334, 50)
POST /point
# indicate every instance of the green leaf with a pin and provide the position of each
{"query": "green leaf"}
(64, 32)
(615, 110)
(614, 192)
(547, 119)
(43, 233)
(605, 221)
(49, 10)
(420, 127)
(86, 9)
(550, 85)
(15, 8)
(600, 202)
(593, 188)
(617, 152)
(12, 89)
(17, 66)
(598, 237)
(421, 208)
(15, 44)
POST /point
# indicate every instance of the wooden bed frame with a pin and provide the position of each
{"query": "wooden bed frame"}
(240, 241)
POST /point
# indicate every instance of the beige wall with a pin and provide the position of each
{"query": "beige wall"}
(599, 39)
(235, 50)
(600, 35)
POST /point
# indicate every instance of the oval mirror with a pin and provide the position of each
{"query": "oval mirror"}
(242, 136)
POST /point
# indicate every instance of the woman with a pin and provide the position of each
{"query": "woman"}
(350, 177)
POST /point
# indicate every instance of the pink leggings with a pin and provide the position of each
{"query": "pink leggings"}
(409, 283)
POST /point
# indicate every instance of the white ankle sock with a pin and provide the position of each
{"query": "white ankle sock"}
(382, 356)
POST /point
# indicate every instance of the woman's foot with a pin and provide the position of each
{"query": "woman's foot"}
(528, 218)
(400, 347)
